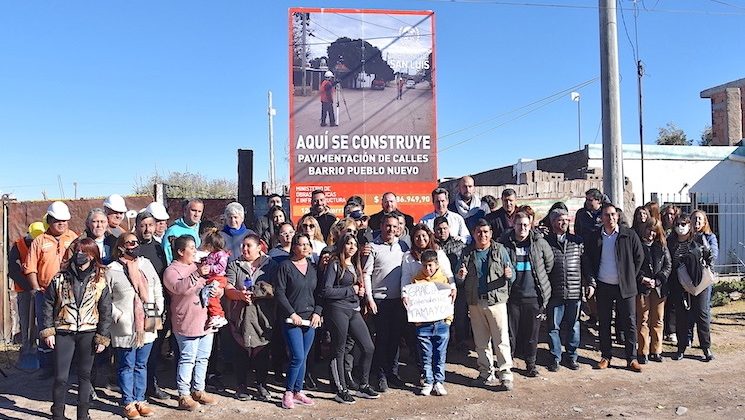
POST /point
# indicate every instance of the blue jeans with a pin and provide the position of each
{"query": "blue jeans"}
(132, 370)
(433, 343)
(563, 321)
(299, 340)
(192, 362)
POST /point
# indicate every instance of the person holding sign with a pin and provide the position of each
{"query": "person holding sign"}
(486, 271)
(423, 239)
(433, 336)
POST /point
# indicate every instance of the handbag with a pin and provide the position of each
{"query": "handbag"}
(707, 279)
(153, 321)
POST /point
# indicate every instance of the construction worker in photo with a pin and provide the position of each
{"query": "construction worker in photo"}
(327, 99)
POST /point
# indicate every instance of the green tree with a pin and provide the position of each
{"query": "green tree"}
(707, 137)
(353, 52)
(188, 185)
(671, 135)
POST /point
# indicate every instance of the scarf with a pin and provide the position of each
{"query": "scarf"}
(467, 210)
(235, 232)
(139, 283)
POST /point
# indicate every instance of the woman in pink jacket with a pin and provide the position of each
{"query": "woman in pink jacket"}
(184, 281)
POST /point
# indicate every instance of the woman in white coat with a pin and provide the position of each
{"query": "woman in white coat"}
(137, 301)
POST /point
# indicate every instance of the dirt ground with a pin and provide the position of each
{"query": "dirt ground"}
(689, 387)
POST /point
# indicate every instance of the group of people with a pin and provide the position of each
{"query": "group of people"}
(265, 298)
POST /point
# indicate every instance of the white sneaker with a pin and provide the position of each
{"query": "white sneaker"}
(440, 389)
(426, 390)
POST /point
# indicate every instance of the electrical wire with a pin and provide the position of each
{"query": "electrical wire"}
(626, 30)
(557, 94)
(555, 97)
(586, 7)
(728, 4)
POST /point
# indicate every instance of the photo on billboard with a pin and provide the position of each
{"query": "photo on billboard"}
(362, 103)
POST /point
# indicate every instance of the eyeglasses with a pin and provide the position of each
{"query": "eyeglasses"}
(351, 230)
(681, 224)
(131, 243)
(308, 225)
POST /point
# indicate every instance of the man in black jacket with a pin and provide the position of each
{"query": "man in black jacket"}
(503, 218)
(614, 256)
(588, 219)
(566, 290)
(530, 293)
(322, 213)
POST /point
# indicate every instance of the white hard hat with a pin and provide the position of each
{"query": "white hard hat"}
(59, 211)
(115, 202)
(328, 74)
(157, 210)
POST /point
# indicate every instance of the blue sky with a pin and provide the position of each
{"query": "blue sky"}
(106, 93)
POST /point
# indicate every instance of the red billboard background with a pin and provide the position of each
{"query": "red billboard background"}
(383, 104)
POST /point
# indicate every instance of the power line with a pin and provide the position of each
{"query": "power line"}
(728, 4)
(626, 30)
(395, 38)
(553, 98)
(497, 126)
(586, 7)
(557, 94)
(366, 22)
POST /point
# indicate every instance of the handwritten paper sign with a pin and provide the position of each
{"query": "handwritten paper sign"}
(428, 302)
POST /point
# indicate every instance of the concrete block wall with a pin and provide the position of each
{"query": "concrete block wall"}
(727, 117)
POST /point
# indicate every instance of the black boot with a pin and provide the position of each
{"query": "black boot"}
(154, 391)
(58, 413)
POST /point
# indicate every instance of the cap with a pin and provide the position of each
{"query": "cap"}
(157, 210)
(116, 203)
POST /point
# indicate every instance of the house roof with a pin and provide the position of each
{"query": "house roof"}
(716, 89)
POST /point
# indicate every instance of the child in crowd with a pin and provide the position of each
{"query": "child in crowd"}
(217, 260)
(433, 336)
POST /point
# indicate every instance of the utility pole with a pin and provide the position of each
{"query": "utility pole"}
(611, 103)
(304, 19)
(272, 112)
(639, 74)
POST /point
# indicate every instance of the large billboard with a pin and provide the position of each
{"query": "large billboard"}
(362, 103)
